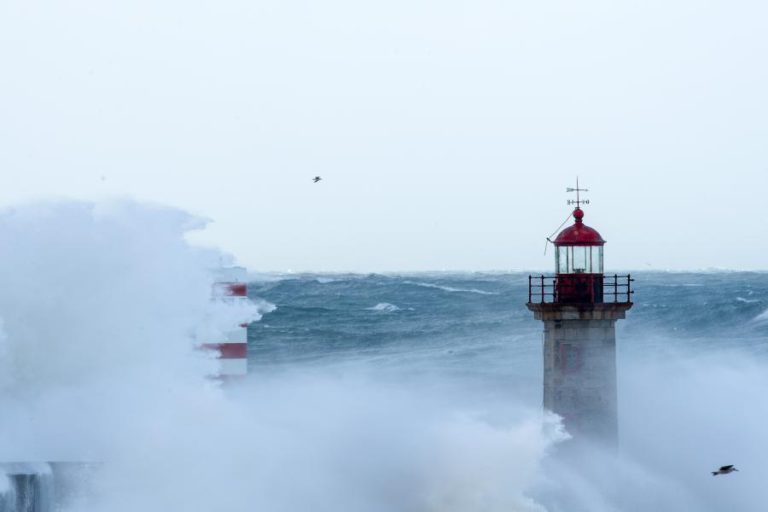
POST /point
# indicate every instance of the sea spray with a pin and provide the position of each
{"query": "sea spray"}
(102, 309)
(102, 306)
(692, 374)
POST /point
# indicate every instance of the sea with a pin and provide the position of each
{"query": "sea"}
(692, 359)
(475, 327)
(417, 392)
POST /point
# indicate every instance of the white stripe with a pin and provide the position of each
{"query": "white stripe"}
(233, 366)
(232, 299)
(239, 335)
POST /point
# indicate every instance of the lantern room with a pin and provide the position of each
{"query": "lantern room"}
(579, 262)
(579, 248)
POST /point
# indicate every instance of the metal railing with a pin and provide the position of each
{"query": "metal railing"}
(580, 288)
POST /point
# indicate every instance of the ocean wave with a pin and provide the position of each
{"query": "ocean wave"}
(450, 288)
(762, 317)
(385, 307)
(263, 306)
(747, 301)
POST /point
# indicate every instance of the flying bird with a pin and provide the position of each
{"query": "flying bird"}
(316, 179)
(724, 470)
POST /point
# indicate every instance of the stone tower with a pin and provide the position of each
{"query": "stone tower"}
(579, 306)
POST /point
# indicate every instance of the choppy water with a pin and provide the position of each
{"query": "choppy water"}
(380, 393)
(692, 359)
(476, 325)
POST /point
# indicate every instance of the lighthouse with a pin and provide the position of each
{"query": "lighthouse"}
(230, 348)
(579, 306)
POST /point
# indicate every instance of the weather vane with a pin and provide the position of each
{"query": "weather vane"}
(578, 200)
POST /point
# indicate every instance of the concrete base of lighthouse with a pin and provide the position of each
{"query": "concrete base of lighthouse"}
(42, 486)
(580, 367)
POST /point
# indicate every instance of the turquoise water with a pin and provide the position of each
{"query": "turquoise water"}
(478, 323)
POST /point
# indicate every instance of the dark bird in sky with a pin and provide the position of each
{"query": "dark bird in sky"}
(316, 179)
(724, 470)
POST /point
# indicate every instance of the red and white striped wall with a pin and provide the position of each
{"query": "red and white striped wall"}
(232, 351)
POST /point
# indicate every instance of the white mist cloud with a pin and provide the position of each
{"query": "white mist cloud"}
(101, 307)
(682, 416)
(688, 415)
(100, 304)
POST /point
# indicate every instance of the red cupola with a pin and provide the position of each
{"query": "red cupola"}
(579, 233)
(579, 262)
(579, 248)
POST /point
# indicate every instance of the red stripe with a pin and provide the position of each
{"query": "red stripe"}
(230, 290)
(229, 350)
(237, 289)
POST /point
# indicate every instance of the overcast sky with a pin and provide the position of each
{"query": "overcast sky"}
(446, 132)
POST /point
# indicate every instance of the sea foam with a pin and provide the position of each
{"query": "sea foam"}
(385, 307)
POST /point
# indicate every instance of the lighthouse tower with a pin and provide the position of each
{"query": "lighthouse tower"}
(579, 306)
(231, 348)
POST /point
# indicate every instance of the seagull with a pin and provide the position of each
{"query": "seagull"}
(316, 179)
(724, 470)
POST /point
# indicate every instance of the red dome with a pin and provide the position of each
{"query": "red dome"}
(579, 233)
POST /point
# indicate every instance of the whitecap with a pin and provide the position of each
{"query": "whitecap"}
(386, 307)
(450, 288)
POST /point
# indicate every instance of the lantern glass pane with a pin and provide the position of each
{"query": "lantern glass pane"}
(561, 260)
(597, 259)
(581, 259)
(575, 259)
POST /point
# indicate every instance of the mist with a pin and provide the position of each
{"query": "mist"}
(103, 304)
(102, 311)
